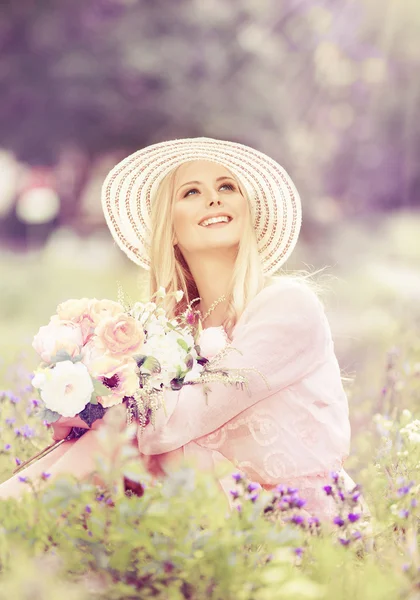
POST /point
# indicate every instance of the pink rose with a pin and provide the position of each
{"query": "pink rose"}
(121, 381)
(212, 340)
(100, 362)
(101, 309)
(78, 311)
(58, 335)
(120, 334)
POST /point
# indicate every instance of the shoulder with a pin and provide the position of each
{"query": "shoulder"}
(288, 295)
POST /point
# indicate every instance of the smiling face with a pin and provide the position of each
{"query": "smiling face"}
(206, 190)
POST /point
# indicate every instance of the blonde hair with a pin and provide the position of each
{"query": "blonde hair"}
(170, 270)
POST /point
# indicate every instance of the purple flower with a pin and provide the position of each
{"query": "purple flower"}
(313, 521)
(334, 476)
(254, 497)
(27, 432)
(328, 490)
(280, 489)
(356, 497)
(404, 513)
(88, 509)
(234, 494)
(298, 502)
(298, 551)
(357, 535)
(7, 447)
(237, 477)
(253, 486)
(18, 461)
(100, 498)
(413, 503)
(344, 542)
(297, 520)
(22, 479)
(353, 517)
(45, 475)
(341, 495)
(402, 491)
(35, 402)
(338, 521)
(292, 490)
(239, 507)
(10, 421)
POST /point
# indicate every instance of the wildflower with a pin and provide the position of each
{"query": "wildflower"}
(35, 403)
(27, 432)
(10, 421)
(413, 503)
(18, 461)
(291, 490)
(334, 476)
(254, 497)
(357, 535)
(239, 507)
(338, 521)
(7, 447)
(23, 479)
(328, 490)
(404, 513)
(253, 486)
(45, 475)
(299, 551)
(402, 491)
(234, 494)
(88, 509)
(297, 520)
(179, 294)
(297, 502)
(100, 498)
(313, 521)
(344, 542)
(281, 489)
(237, 477)
(353, 517)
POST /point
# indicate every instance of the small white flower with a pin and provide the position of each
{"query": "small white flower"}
(161, 293)
(65, 389)
(179, 294)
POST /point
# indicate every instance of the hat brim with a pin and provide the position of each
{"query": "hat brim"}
(129, 189)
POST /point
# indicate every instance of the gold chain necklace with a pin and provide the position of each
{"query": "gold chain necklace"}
(212, 307)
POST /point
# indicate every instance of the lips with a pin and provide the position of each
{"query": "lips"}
(209, 217)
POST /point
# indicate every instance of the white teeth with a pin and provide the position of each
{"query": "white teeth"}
(215, 220)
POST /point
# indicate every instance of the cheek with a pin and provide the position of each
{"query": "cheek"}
(181, 222)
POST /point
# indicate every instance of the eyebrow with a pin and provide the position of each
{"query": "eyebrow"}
(199, 182)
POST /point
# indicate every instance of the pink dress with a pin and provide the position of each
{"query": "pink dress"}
(295, 432)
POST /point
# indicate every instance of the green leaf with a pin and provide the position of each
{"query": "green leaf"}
(93, 398)
(61, 356)
(183, 344)
(152, 364)
(50, 416)
(100, 389)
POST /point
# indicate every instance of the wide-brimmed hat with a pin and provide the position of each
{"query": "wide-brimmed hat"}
(130, 188)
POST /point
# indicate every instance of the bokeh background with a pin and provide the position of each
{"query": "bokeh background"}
(328, 88)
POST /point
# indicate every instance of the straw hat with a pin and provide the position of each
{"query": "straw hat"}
(130, 187)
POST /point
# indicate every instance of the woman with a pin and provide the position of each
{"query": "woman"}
(217, 219)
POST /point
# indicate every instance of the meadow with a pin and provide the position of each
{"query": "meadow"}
(177, 539)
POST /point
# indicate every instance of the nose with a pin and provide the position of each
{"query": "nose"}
(213, 199)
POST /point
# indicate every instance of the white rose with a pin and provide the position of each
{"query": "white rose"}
(179, 294)
(65, 389)
(58, 335)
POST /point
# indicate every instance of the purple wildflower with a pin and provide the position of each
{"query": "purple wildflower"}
(18, 461)
(402, 491)
(35, 403)
(297, 520)
(338, 521)
(237, 477)
(292, 490)
(7, 447)
(328, 490)
(10, 420)
(404, 513)
(298, 502)
(413, 503)
(344, 542)
(341, 495)
(27, 432)
(281, 489)
(298, 551)
(313, 521)
(353, 517)
(100, 498)
(254, 497)
(45, 475)
(22, 479)
(357, 535)
(253, 486)
(234, 494)
(356, 497)
(239, 507)
(88, 509)
(334, 476)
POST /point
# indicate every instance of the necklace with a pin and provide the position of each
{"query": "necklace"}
(212, 307)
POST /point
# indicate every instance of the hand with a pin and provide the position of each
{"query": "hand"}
(63, 426)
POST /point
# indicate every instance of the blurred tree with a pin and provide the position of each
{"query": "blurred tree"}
(327, 88)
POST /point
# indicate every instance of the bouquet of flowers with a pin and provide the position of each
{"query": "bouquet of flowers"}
(99, 353)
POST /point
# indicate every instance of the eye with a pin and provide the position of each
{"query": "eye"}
(187, 193)
(230, 186)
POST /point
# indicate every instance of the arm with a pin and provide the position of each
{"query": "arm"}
(283, 334)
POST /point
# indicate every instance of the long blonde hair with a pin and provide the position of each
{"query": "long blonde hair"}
(170, 270)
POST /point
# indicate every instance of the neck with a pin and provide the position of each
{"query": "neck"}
(212, 275)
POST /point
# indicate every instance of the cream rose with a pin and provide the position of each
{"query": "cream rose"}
(120, 334)
(212, 340)
(102, 309)
(58, 335)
